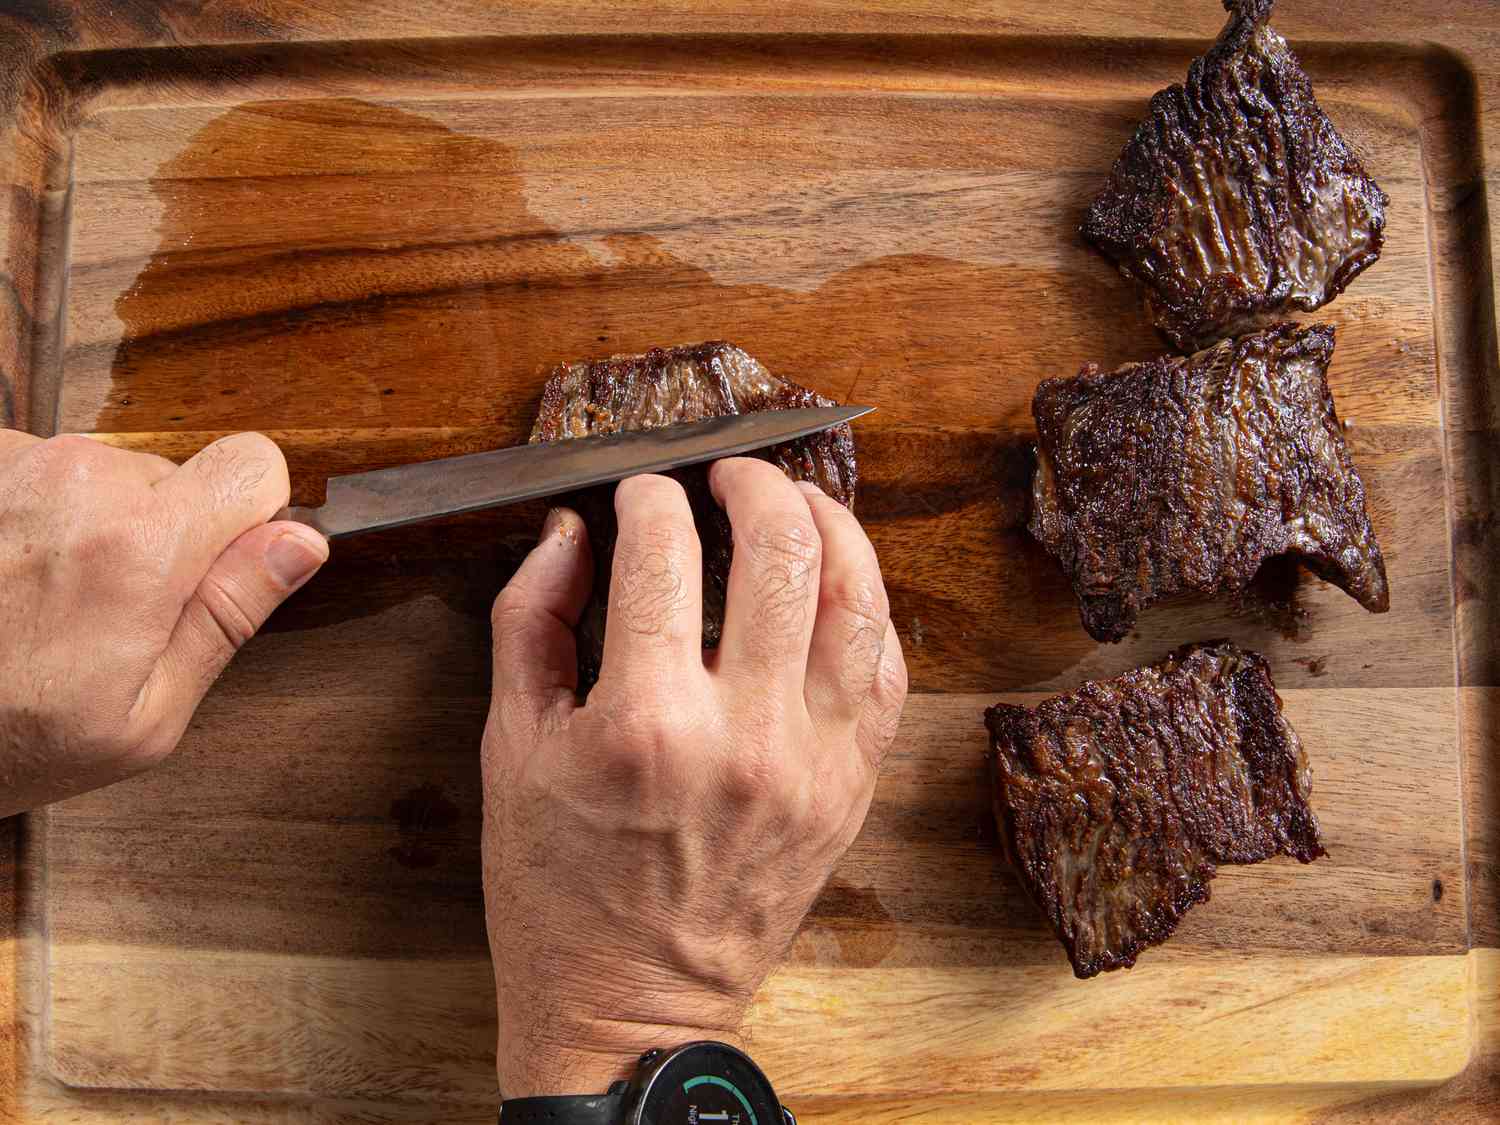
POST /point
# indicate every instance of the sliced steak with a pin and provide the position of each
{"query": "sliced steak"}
(1237, 199)
(1117, 802)
(1180, 475)
(662, 387)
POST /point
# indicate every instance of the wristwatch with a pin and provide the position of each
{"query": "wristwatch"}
(702, 1083)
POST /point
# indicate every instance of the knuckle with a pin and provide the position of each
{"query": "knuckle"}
(638, 745)
(881, 722)
(236, 467)
(754, 776)
(860, 613)
(786, 557)
(649, 587)
(861, 664)
(831, 801)
(66, 459)
(809, 807)
(856, 596)
(513, 716)
(230, 611)
(511, 611)
(789, 541)
(70, 447)
(893, 680)
(888, 724)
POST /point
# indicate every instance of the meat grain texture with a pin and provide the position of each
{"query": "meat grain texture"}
(1237, 199)
(660, 388)
(1118, 802)
(1181, 475)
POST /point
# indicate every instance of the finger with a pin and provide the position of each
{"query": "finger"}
(853, 612)
(254, 575)
(536, 657)
(880, 718)
(235, 484)
(655, 625)
(772, 598)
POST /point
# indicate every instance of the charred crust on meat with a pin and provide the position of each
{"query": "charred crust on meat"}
(1118, 802)
(1181, 475)
(659, 388)
(1237, 199)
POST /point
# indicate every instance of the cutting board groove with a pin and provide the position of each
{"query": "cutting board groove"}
(375, 250)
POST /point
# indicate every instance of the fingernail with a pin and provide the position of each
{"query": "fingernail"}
(562, 525)
(550, 524)
(294, 556)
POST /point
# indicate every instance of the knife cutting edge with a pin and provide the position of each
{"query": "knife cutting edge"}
(428, 489)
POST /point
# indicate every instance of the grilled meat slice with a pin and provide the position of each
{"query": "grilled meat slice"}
(663, 387)
(1180, 475)
(1237, 199)
(1118, 801)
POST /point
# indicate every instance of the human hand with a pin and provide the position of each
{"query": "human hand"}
(649, 856)
(126, 584)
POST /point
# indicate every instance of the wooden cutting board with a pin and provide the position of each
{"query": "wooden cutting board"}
(375, 247)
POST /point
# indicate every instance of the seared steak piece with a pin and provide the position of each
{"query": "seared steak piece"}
(1180, 475)
(662, 387)
(1118, 801)
(1237, 199)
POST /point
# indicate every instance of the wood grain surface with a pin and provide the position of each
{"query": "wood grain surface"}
(370, 233)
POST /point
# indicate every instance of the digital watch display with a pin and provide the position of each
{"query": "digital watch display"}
(711, 1083)
(696, 1084)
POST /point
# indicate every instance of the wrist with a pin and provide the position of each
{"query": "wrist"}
(593, 1059)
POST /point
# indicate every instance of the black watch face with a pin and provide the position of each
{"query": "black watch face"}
(711, 1085)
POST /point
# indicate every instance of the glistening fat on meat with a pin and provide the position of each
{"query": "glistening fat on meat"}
(1181, 475)
(1118, 802)
(1237, 200)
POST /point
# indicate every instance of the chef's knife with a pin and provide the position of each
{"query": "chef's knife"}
(410, 493)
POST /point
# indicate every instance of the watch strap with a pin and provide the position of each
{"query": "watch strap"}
(572, 1109)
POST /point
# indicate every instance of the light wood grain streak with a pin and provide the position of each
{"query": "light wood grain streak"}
(306, 1025)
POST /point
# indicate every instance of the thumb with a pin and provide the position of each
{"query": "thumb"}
(254, 575)
(536, 658)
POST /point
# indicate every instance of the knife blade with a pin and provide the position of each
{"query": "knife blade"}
(425, 490)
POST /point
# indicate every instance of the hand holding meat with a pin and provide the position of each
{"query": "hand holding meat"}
(129, 583)
(649, 855)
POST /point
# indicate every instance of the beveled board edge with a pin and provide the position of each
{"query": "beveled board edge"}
(33, 174)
